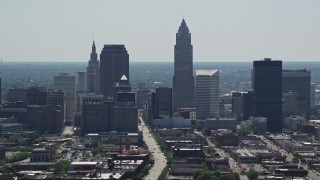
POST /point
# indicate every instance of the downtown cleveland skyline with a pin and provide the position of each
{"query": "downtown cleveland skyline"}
(117, 119)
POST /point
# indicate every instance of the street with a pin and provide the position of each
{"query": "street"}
(160, 161)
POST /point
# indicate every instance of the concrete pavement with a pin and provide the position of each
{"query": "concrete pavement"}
(160, 160)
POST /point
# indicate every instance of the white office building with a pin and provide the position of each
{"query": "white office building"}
(207, 93)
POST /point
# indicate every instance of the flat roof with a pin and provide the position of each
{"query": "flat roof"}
(78, 163)
(206, 72)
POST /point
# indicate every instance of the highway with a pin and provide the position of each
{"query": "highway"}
(160, 161)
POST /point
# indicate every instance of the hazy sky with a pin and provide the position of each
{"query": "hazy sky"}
(224, 30)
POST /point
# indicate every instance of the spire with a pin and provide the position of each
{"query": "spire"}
(93, 47)
(93, 55)
(183, 26)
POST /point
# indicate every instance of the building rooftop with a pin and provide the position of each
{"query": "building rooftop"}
(206, 72)
(10, 124)
(39, 150)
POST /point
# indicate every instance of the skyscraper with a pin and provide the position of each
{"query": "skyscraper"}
(114, 63)
(267, 92)
(207, 93)
(183, 80)
(0, 92)
(36, 95)
(298, 83)
(312, 95)
(82, 81)
(67, 83)
(93, 72)
(125, 118)
(162, 102)
(96, 115)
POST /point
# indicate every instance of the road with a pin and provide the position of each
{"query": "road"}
(236, 167)
(160, 161)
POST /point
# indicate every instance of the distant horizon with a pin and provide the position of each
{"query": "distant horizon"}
(142, 61)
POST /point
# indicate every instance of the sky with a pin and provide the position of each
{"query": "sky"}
(224, 30)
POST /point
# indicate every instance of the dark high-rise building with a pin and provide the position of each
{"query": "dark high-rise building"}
(93, 72)
(125, 118)
(122, 91)
(267, 92)
(0, 92)
(247, 105)
(298, 83)
(57, 98)
(96, 116)
(162, 103)
(36, 96)
(16, 94)
(114, 63)
(45, 119)
(17, 110)
(183, 80)
(242, 105)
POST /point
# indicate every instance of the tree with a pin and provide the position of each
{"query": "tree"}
(228, 177)
(205, 175)
(61, 166)
(252, 174)
(67, 135)
(244, 130)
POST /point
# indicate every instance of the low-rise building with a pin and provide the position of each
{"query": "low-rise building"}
(188, 151)
(214, 124)
(225, 138)
(172, 122)
(259, 125)
(40, 155)
(293, 121)
(10, 128)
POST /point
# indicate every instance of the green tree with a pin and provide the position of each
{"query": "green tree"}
(233, 176)
(67, 135)
(18, 157)
(205, 175)
(244, 130)
(252, 174)
(61, 166)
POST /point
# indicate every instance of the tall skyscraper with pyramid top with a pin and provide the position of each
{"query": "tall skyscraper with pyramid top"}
(183, 79)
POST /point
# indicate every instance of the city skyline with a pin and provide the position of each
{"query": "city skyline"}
(222, 31)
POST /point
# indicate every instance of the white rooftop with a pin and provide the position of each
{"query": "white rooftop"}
(206, 72)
